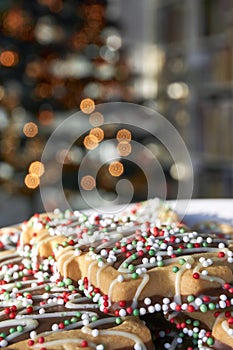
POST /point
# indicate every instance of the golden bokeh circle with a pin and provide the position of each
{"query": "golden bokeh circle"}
(96, 119)
(36, 168)
(124, 148)
(32, 181)
(87, 105)
(123, 135)
(116, 168)
(88, 183)
(90, 142)
(30, 129)
(98, 133)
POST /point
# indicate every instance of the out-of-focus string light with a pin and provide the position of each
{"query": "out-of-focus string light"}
(32, 181)
(123, 135)
(116, 168)
(88, 183)
(124, 148)
(90, 142)
(36, 168)
(87, 105)
(30, 129)
(9, 58)
(98, 133)
(45, 117)
(96, 119)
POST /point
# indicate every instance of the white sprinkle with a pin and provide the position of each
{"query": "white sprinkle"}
(137, 346)
(95, 333)
(151, 309)
(221, 245)
(122, 312)
(198, 301)
(166, 300)
(142, 311)
(120, 278)
(157, 307)
(55, 327)
(147, 301)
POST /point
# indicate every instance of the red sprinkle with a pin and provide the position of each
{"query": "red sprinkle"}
(41, 340)
(84, 344)
(221, 254)
(31, 342)
(196, 275)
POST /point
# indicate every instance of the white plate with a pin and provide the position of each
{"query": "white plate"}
(205, 209)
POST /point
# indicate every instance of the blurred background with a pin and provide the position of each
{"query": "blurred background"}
(60, 56)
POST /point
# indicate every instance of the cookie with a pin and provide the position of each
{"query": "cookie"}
(38, 309)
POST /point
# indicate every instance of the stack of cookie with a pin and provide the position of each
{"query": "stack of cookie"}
(137, 279)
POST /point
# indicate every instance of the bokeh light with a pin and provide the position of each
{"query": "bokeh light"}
(36, 168)
(90, 142)
(98, 133)
(32, 181)
(124, 135)
(116, 168)
(9, 58)
(87, 106)
(124, 148)
(96, 119)
(30, 129)
(45, 117)
(88, 183)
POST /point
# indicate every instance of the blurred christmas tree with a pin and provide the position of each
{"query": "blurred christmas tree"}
(53, 54)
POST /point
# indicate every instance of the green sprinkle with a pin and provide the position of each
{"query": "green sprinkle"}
(136, 312)
(160, 263)
(175, 269)
(18, 284)
(210, 341)
(65, 244)
(196, 323)
(91, 249)
(190, 298)
(47, 288)
(211, 306)
(195, 335)
(182, 230)
(66, 322)
(71, 288)
(131, 267)
(94, 318)
(134, 256)
(67, 281)
(203, 308)
(190, 245)
(179, 250)
(73, 319)
(134, 275)
(78, 314)
(12, 330)
(118, 320)
(188, 321)
(21, 274)
(205, 244)
(151, 252)
(3, 335)
(182, 261)
(61, 284)
(20, 328)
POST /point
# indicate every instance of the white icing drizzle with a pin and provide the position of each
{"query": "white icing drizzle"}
(65, 342)
(145, 278)
(28, 325)
(177, 297)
